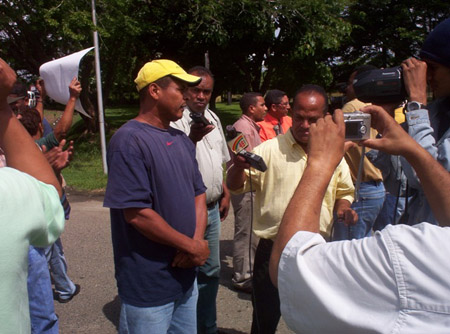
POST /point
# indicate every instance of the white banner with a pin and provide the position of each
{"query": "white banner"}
(58, 74)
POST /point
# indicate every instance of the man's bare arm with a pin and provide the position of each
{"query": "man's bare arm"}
(20, 150)
(201, 216)
(434, 178)
(236, 173)
(65, 122)
(154, 227)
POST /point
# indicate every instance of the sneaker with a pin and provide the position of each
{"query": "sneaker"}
(66, 300)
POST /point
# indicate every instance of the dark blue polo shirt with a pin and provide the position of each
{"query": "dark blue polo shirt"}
(151, 168)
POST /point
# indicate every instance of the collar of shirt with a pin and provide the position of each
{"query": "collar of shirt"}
(252, 122)
(291, 140)
(270, 119)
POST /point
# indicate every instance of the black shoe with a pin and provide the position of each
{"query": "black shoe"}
(66, 300)
(247, 288)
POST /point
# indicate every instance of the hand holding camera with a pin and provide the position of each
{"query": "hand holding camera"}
(200, 127)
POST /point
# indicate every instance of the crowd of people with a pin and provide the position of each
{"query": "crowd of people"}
(305, 243)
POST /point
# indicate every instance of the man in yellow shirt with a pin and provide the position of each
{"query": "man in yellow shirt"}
(286, 156)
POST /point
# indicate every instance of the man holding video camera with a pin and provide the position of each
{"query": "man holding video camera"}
(286, 157)
(428, 124)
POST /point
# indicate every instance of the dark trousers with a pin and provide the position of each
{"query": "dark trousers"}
(265, 299)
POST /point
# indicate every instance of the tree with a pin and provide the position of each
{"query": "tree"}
(385, 32)
(35, 32)
(253, 45)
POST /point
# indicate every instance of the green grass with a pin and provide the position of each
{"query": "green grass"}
(85, 172)
(228, 114)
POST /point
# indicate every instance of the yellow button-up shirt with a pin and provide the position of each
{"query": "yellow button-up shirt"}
(286, 161)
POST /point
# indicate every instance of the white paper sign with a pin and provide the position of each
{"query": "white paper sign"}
(58, 74)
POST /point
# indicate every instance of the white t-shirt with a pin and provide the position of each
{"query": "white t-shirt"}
(211, 153)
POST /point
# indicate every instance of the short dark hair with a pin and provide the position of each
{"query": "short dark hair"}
(201, 71)
(311, 88)
(161, 82)
(30, 120)
(247, 100)
(273, 96)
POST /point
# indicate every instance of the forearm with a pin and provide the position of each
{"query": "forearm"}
(302, 213)
(201, 216)
(435, 181)
(65, 122)
(155, 228)
(40, 107)
(21, 151)
(235, 178)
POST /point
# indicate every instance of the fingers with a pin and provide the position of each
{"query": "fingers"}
(379, 117)
(75, 87)
(414, 77)
(62, 143)
(240, 162)
(348, 145)
(350, 217)
(338, 117)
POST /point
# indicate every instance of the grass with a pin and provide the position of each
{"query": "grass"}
(85, 172)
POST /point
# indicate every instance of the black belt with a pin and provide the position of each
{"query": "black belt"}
(211, 205)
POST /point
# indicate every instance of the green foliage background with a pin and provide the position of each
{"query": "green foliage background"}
(253, 45)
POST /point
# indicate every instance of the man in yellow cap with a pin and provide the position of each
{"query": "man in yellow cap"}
(157, 202)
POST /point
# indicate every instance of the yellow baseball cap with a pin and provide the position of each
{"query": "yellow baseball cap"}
(159, 68)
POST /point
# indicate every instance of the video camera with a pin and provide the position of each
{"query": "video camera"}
(380, 86)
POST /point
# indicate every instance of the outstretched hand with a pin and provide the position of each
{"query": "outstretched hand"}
(75, 88)
(394, 140)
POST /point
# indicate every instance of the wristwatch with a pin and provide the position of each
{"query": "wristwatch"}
(413, 105)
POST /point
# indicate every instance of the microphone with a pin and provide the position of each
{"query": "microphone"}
(237, 143)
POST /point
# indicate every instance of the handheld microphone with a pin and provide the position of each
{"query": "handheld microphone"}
(237, 143)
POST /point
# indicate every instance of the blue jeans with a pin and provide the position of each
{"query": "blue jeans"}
(58, 267)
(177, 317)
(208, 277)
(368, 207)
(40, 295)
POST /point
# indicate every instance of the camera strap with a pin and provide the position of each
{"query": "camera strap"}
(359, 176)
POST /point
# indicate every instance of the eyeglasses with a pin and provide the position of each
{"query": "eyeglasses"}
(284, 104)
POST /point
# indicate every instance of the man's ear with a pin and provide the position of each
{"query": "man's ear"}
(154, 91)
(251, 110)
(273, 108)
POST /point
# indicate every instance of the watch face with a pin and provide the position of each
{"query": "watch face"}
(411, 106)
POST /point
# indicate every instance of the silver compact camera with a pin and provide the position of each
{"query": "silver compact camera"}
(357, 126)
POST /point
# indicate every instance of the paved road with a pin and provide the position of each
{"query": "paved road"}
(87, 245)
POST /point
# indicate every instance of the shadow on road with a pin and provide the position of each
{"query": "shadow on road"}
(111, 311)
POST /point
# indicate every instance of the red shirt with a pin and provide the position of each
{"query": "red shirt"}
(267, 126)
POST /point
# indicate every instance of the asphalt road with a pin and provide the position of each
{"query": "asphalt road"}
(87, 245)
